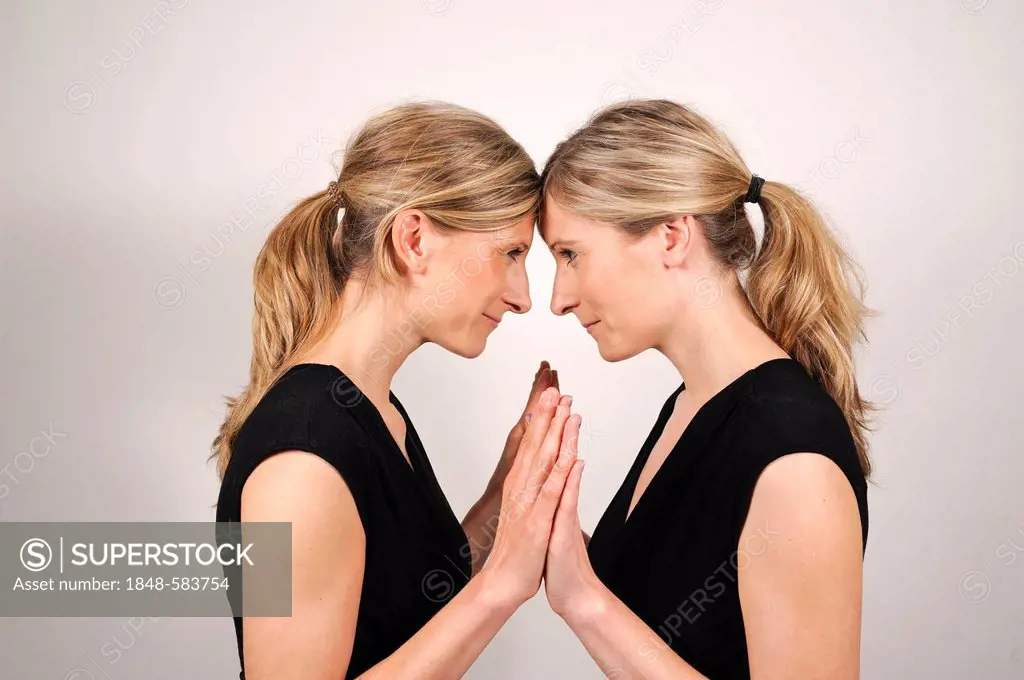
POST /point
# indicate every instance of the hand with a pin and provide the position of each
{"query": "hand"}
(529, 499)
(544, 378)
(569, 580)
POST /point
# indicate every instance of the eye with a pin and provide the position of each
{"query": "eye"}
(568, 254)
(515, 253)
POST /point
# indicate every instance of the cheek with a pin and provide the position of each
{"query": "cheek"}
(626, 291)
(483, 280)
(500, 272)
(606, 284)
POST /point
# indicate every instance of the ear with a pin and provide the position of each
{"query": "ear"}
(409, 239)
(676, 239)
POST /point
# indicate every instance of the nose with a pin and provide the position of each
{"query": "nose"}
(517, 297)
(564, 297)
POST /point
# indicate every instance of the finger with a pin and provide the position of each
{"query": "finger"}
(541, 373)
(552, 444)
(547, 450)
(541, 382)
(551, 468)
(553, 486)
(535, 433)
(554, 379)
(569, 504)
(566, 524)
(556, 440)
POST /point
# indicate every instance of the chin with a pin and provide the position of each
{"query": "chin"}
(474, 352)
(612, 352)
(612, 357)
(467, 347)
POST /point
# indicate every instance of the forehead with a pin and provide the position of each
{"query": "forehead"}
(520, 232)
(558, 224)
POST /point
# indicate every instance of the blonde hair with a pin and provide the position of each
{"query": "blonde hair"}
(640, 163)
(456, 165)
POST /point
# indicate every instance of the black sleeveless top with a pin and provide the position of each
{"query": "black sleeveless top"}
(674, 562)
(417, 556)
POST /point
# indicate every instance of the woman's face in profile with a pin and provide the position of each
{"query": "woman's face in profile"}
(475, 278)
(615, 286)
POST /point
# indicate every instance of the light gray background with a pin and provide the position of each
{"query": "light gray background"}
(123, 160)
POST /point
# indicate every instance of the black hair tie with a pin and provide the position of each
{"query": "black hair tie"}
(754, 190)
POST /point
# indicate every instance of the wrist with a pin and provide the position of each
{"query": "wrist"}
(496, 593)
(588, 605)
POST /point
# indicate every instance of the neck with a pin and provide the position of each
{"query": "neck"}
(371, 337)
(712, 345)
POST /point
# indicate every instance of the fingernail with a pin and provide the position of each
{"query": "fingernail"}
(568, 400)
(528, 417)
(548, 398)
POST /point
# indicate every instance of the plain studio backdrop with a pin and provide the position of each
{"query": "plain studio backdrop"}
(141, 136)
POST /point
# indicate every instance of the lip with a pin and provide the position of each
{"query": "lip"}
(492, 320)
(590, 325)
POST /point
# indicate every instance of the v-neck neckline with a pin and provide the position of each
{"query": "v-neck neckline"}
(409, 457)
(342, 393)
(703, 412)
(641, 461)
(435, 516)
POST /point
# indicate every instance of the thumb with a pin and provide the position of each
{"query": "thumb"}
(567, 517)
(541, 382)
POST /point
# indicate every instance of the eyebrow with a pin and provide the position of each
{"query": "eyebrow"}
(502, 244)
(562, 242)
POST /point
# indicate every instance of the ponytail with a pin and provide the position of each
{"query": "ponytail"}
(635, 164)
(809, 294)
(459, 167)
(297, 280)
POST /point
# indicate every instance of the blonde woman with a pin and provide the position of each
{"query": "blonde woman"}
(437, 208)
(734, 547)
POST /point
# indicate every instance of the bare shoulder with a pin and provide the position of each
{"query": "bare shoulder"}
(328, 559)
(797, 457)
(294, 485)
(800, 583)
(306, 490)
(809, 498)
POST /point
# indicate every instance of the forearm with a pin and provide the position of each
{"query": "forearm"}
(453, 639)
(481, 525)
(481, 522)
(620, 642)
